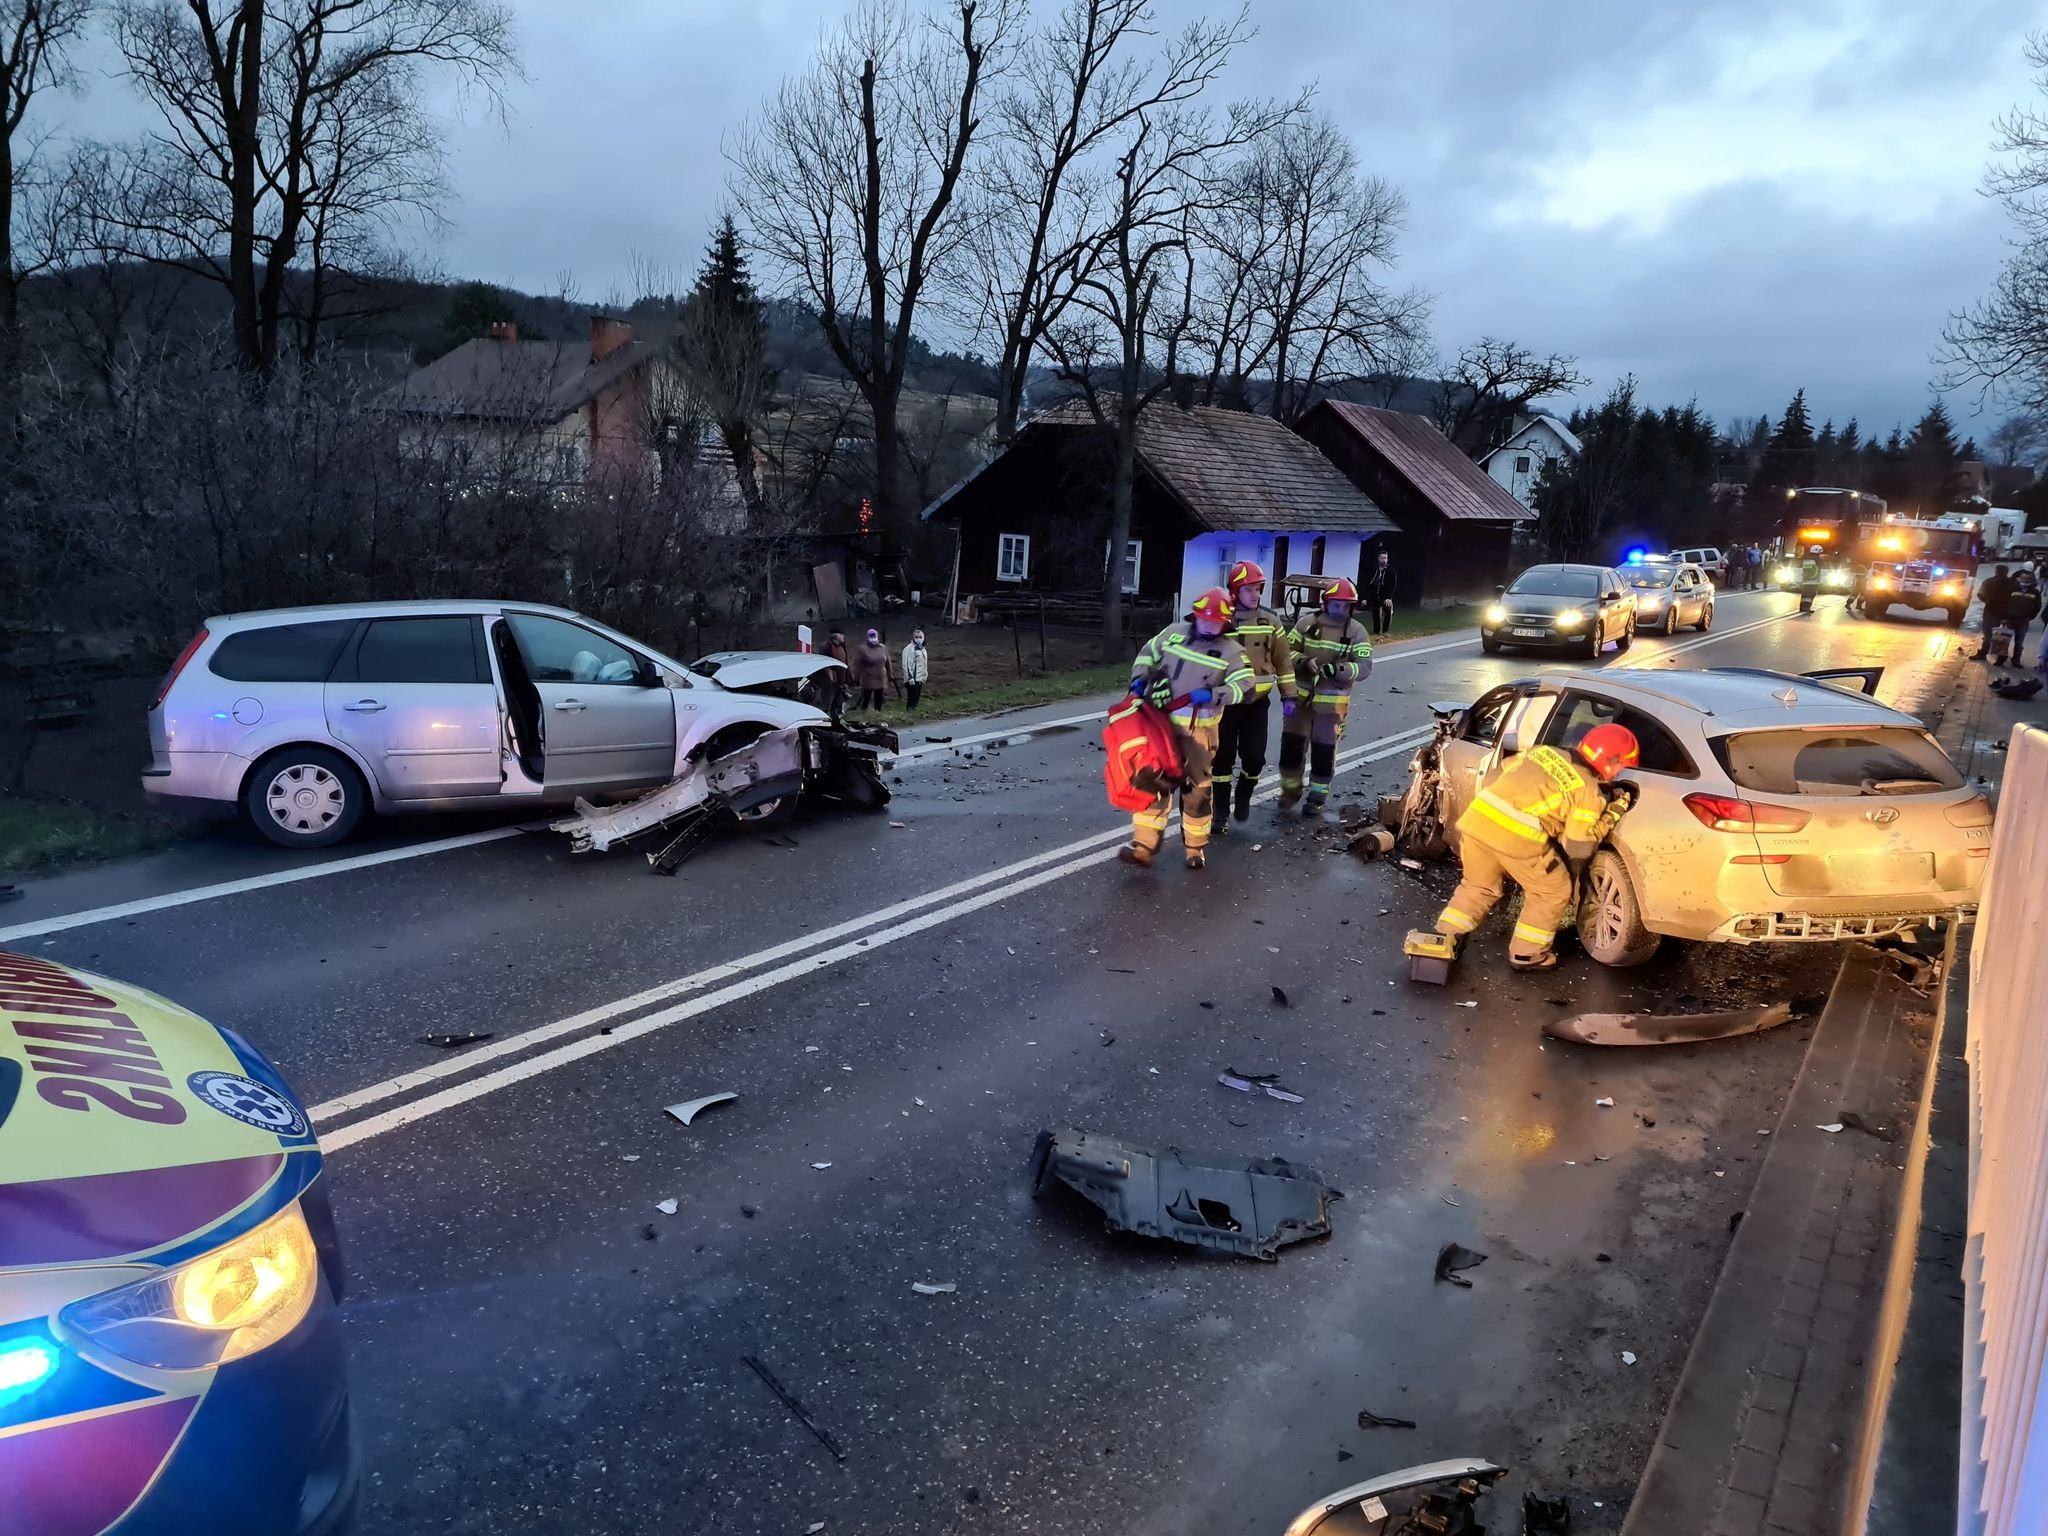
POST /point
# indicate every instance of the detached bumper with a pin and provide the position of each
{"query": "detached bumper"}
(1810, 928)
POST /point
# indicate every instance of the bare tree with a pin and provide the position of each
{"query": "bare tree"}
(1478, 395)
(1295, 259)
(1127, 320)
(1036, 190)
(849, 181)
(35, 39)
(293, 134)
(2020, 438)
(2000, 343)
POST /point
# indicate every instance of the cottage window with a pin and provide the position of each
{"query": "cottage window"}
(1521, 463)
(1134, 561)
(1013, 556)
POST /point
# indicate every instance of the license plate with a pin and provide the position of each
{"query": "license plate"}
(1916, 586)
(1880, 871)
(1529, 634)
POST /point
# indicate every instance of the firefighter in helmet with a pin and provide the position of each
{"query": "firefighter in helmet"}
(1536, 822)
(1242, 734)
(1331, 652)
(1193, 670)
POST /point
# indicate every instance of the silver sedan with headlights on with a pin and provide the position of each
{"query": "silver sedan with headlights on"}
(1670, 594)
(1768, 807)
(1569, 607)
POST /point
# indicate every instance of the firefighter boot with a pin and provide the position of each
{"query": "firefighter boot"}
(1312, 807)
(1543, 961)
(1241, 802)
(1131, 854)
(1198, 858)
(1219, 793)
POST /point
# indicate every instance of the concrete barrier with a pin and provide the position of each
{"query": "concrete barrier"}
(2004, 1464)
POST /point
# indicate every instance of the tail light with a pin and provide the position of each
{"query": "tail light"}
(1721, 813)
(170, 677)
(1973, 812)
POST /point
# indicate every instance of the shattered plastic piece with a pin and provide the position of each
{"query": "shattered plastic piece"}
(1228, 1080)
(899, 823)
(1851, 1121)
(1449, 1201)
(1666, 1028)
(688, 1111)
(1415, 864)
(1256, 1077)
(1275, 1091)
(1628, 1357)
(814, 1527)
(809, 1048)
(797, 1409)
(1468, 1005)
(1832, 1130)
(1604, 1103)
(935, 1287)
(632, 1157)
(1367, 1419)
(821, 1165)
(1251, 1209)
(451, 1042)
(1272, 949)
(1453, 1257)
(666, 1207)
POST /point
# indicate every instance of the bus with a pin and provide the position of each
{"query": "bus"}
(1830, 517)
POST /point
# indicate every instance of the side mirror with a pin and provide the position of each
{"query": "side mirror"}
(647, 674)
(1500, 591)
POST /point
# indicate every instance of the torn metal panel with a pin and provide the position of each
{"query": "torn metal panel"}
(1665, 1028)
(1251, 1209)
(766, 768)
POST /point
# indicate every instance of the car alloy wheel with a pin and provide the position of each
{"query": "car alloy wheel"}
(1671, 619)
(305, 799)
(1610, 918)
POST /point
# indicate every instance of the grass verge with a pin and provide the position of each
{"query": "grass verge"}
(44, 834)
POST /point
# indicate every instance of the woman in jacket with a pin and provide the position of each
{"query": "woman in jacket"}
(917, 669)
(872, 672)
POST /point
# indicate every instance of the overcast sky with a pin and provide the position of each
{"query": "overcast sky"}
(1729, 199)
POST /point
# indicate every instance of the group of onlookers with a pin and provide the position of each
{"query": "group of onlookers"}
(2012, 601)
(875, 672)
(1746, 564)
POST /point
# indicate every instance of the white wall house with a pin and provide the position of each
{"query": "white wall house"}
(1517, 464)
(1207, 558)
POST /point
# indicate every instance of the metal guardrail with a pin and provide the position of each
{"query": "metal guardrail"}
(2004, 1464)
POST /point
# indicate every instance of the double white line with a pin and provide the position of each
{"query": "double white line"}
(736, 980)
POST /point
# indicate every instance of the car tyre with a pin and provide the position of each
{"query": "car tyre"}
(1596, 638)
(1628, 636)
(1671, 620)
(1489, 645)
(1706, 619)
(1610, 917)
(1955, 617)
(304, 797)
(770, 813)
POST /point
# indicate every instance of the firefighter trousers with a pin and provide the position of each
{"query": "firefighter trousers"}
(1197, 753)
(1241, 741)
(1309, 737)
(1546, 896)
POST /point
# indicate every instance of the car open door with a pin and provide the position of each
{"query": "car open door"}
(607, 720)
(1861, 680)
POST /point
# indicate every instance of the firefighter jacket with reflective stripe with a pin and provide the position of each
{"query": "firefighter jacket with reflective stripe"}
(1187, 662)
(1263, 634)
(1535, 799)
(1329, 657)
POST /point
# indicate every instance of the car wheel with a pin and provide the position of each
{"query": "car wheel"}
(1955, 617)
(1628, 636)
(1489, 645)
(304, 797)
(1706, 618)
(769, 812)
(1671, 620)
(1596, 637)
(1610, 917)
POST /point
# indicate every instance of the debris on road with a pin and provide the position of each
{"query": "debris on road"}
(1280, 997)
(821, 1165)
(1367, 1419)
(1547, 1517)
(687, 1112)
(1665, 1028)
(452, 1042)
(1251, 1209)
(666, 1207)
(1258, 1082)
(1468, 1005)
(1604, 1103)
(1453, 1257)
(1449, 1201)
(797, 1409)
(935, 1287)
(1833, 1130)
(1370, 842)
(1628, 1357)
(1851, 1121)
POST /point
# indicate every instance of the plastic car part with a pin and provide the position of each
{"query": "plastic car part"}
(1665, 1029)
(1439, 1498)
(1250, 1209)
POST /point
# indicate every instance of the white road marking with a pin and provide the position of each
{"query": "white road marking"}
(198, 893)
(1077, 856)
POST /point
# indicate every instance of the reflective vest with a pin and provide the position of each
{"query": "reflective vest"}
(1535, 799)
(1263, 634)
(1188, 662)
(1329, 657)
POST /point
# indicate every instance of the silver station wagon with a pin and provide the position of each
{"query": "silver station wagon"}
(305, 718)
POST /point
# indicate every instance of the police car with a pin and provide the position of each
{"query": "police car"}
(170, 1349)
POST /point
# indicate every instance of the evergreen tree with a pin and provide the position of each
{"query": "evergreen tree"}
(722, 350)
(473, 308)
(1827, 455)
(1789, 459)
(1929, 461)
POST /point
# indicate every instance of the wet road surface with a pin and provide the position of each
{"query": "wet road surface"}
(537, 1348)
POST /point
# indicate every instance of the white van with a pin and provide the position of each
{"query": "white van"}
(1712, 561)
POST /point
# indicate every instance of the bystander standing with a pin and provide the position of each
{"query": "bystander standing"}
(917, 669)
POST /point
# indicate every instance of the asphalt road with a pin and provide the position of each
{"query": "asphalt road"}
(537, 1348)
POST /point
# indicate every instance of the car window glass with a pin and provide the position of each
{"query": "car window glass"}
(281, 653)
(1661, 752)
(1651, 576)
(1555, 583)
(440, 650)
(557, 651)
(1880, 760)
(1484, 719)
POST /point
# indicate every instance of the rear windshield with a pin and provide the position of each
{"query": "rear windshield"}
(1652, 576)
(281, 653)
(1879, 760)
(1556, 584)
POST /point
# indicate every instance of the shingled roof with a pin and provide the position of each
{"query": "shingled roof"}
(490, 379)
(1232, 471)
(1431, 464)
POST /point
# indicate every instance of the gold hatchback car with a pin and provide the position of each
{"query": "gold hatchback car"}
(1769, 807)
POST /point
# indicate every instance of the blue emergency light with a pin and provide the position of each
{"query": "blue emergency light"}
(1635, 555)
(25, 1364)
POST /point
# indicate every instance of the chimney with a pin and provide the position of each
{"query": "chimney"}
(607, 336)
(504, 330)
